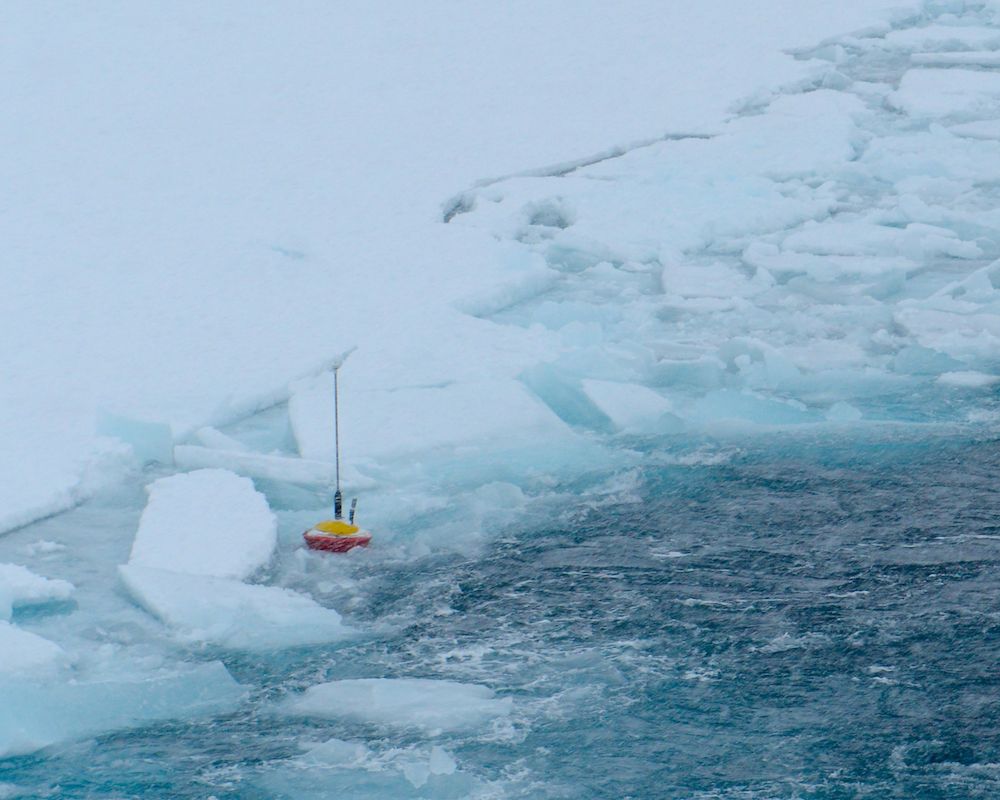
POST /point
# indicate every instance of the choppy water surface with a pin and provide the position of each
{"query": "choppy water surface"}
(801, 621)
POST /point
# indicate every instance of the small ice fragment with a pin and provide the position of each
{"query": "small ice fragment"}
(843, 412)
(43, 546)
(442, 762)
(432, 706)
(967, 379)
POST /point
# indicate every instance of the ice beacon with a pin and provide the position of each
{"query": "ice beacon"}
(337, 535)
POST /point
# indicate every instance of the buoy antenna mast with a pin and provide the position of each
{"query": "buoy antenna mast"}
(338, 498)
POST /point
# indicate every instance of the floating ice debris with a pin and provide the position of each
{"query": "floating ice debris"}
(433, 706)
(339, 768)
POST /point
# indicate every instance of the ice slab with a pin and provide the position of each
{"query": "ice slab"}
(36, 714)
(865, 238)
(227, 613)
(431, 706)
(20, 586)
(386, 424)
(256, 465)
(940, 93)
(25, 653)
(207, 522)
(630, 406)
(981, 129)
(150, 441)
(988, 58)
(943, 37)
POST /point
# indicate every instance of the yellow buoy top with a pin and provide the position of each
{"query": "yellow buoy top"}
(337, 527)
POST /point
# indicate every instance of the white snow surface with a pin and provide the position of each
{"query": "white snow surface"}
(431, 706)
(19, 586)
(943, 93)
(208, 202)
(206, 522)
(218, 611)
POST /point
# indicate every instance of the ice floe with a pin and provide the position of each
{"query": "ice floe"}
(207, 522)
(200, 609)
(431, 706)
(20, 586)
(36, 713)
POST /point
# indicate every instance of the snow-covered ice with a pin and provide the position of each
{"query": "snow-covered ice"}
(432, 706)
(201, 534)
(386, 424)
(208, 221)
(206, 522)
(20, 586)
(205, 610)
(960, 94)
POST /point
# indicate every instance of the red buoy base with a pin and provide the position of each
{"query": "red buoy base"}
(335, 543)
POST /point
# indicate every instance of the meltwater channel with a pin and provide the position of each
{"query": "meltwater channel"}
(798, 616)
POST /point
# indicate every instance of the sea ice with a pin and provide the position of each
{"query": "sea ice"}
(20, 586)
(256, 465)
(958, 93)
(942, 37)
(387, 424)
(26, 653)
(630, 406)
(432, 706)
(207, 522)
(201, 609)
(36, 714)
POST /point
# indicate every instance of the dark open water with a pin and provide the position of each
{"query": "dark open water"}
(804, 620)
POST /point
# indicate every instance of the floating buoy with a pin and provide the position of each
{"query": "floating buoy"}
(337, 535)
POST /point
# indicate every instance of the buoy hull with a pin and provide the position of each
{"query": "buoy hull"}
(335, 543)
